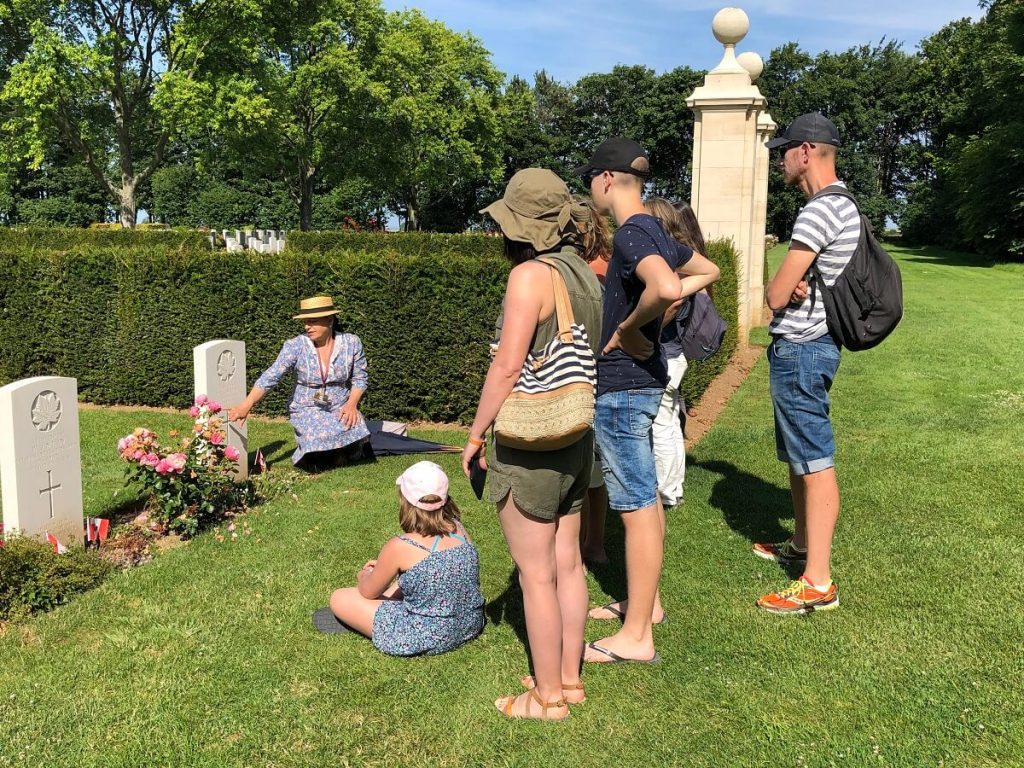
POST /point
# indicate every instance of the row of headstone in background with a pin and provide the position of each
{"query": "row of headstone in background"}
(40, 454)
(259, 240)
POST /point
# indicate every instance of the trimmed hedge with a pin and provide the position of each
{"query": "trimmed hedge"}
(408, 243)
(17, 239)
(124, 321)
(726, 293)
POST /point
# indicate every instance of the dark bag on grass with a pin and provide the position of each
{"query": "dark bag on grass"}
(701, 328)
(866, 302)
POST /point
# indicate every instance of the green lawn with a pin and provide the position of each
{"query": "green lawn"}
(206, 657)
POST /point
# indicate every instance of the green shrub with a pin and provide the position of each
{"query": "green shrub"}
(699, 374)
(33, 578)
(17, 239)
(123, 322)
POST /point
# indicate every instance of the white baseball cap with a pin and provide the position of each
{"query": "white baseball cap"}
(423, 479)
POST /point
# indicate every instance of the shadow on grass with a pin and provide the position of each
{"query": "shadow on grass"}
(611, 576)
(124, 511)
(507, 608)
(749, 505)
(938, 256)
(272, 453)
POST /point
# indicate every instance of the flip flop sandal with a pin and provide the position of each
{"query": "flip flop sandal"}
(614, 658)
(325, 621)
(610, 607)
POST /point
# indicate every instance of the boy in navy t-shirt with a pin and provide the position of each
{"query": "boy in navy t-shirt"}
(631, 375)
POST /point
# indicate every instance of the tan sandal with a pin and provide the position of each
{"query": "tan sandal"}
(510, 702)
(568, 689)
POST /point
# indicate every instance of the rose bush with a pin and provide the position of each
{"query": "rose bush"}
(190, 484)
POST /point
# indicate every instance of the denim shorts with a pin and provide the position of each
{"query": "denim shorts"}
(801, 375)
(623, 423)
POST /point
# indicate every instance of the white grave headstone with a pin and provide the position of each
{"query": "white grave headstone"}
(220, 375)
(40, 458)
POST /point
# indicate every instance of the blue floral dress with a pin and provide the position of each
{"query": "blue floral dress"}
(318, 427)
(441, 606)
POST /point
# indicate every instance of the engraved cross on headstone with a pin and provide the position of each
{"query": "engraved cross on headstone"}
(49, 491)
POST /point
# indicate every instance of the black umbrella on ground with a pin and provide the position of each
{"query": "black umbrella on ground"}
(388, 443)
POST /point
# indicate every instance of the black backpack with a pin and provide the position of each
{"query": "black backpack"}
(866, 302)
(701, 328)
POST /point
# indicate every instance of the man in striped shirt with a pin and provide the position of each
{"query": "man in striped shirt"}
(803, 360)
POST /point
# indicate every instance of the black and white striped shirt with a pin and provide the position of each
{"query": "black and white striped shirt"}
(829, 226)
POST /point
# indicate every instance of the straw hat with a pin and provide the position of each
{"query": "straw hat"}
(317, 306)
(536, 208)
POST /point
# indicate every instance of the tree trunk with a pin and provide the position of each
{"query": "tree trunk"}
(412, 219)
(128, 209)
(306, 179)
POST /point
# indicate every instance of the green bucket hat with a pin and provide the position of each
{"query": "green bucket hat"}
(536, 208)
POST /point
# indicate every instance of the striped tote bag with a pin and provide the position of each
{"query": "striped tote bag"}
(552, 404)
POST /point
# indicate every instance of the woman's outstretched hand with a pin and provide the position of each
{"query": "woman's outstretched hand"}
(239, 413)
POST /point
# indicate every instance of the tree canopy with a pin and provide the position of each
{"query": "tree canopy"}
(339, 113)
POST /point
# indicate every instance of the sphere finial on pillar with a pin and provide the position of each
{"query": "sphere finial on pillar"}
(730, 25)
(753, 63)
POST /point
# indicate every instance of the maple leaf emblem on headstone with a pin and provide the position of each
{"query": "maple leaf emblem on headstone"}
(225, 365)
(46, 411)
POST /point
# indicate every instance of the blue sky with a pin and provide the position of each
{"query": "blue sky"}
(573, 38)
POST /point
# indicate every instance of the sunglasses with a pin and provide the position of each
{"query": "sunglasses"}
(589, 176)
(786, 147)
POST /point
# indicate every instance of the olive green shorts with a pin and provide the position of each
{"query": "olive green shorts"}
(543, 484)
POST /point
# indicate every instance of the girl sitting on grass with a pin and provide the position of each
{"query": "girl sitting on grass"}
(422, 593)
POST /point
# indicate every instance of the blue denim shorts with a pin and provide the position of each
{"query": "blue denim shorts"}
(623, 424)
(801, 375)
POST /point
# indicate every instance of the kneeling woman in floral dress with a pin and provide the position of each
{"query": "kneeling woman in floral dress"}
(330, 373)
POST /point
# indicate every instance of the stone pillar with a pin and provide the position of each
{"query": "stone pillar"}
(766, 128)
(726, 110)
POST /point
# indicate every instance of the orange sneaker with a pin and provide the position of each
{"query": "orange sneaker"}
(784, 552)
(800, 597)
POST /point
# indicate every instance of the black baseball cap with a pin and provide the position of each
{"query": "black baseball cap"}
(618, 154)
(813, 127)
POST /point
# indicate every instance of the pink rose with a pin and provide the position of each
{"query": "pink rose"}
(138, 454)
(202, 400)
(176, 461)
(231, 453)
(163, 467)
(214, 406)
(193, 411)
(217, 438)
(150, 460)
(124, 442)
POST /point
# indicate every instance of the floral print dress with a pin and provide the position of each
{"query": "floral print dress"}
(441, 606)
(318, 427)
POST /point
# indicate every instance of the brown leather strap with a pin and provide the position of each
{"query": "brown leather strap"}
(563, 307)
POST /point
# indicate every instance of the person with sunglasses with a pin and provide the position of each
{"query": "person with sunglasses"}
(803, 360)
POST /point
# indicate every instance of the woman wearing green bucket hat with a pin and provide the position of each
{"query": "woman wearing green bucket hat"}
(538, 493)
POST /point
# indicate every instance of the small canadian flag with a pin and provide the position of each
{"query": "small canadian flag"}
(58, 548)
(96, 530)
(259, 462)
